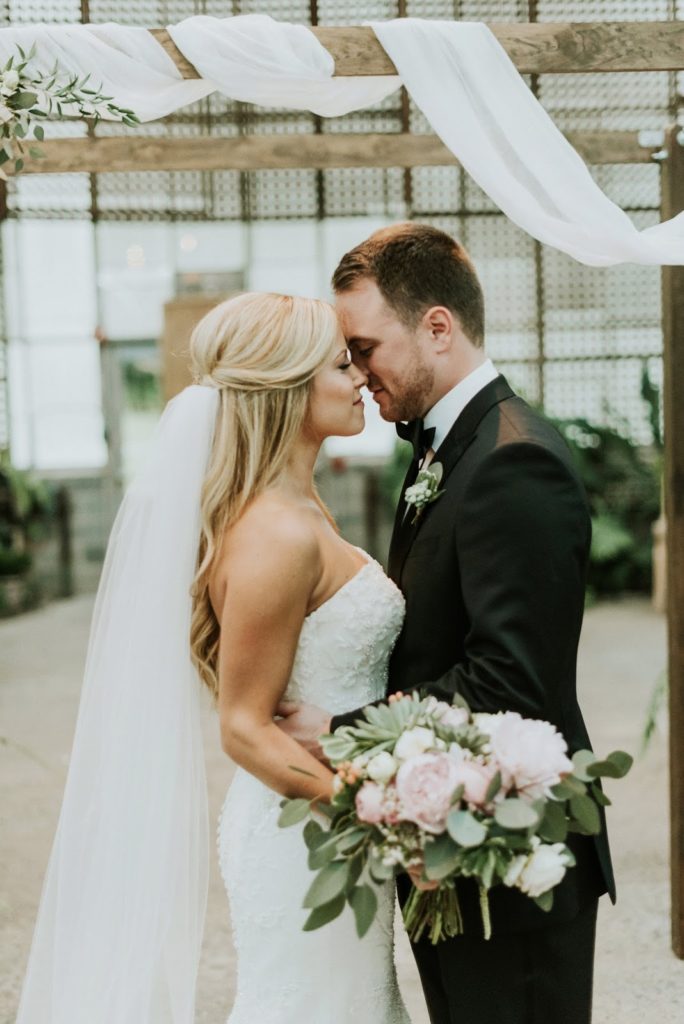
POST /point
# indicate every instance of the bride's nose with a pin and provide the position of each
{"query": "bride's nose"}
(359, 378)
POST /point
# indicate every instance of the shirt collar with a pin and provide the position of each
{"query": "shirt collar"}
(446, 411)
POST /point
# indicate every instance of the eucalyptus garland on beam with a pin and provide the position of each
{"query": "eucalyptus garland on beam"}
(28, 96)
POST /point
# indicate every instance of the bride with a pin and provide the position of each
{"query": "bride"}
(223, 564)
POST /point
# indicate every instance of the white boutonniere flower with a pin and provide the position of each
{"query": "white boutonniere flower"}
(425, 490)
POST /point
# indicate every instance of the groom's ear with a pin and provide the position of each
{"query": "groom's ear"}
(439, 322)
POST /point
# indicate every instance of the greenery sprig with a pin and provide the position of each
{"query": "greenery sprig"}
(29, 96)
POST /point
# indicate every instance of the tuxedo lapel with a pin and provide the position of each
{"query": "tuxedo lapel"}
(455, 444)
(400, 522)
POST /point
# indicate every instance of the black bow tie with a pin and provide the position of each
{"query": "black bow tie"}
(420, 436)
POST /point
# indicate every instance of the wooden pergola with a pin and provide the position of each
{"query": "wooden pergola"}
(535, 49)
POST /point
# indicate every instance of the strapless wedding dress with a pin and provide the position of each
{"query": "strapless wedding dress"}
(329, 976)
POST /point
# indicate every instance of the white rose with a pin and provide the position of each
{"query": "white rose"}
(413, 742)
(530, 753)
(515, 868)
(10, 81)
(543, 869)
(382, 767)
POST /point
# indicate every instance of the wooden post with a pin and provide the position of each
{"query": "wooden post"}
(673, 393)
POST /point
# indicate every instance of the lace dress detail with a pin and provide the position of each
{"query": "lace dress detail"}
(285, 975)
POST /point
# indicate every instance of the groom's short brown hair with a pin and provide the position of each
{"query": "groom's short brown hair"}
(416, 266)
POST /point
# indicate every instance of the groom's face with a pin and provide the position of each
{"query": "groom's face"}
(395, 358)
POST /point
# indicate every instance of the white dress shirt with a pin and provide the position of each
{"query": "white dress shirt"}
(446, 411)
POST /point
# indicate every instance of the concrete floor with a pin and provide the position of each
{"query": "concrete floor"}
(638, 980)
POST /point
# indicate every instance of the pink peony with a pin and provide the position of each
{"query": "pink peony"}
(530, 753)
(425, 784)
(475, 779)
(369, 803)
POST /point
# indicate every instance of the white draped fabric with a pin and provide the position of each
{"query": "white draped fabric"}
(457, 73)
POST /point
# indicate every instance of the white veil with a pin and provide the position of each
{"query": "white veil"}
(121, 917)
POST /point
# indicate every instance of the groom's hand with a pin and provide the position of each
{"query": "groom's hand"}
(305, 723)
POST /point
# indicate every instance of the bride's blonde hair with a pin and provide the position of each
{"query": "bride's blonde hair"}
(261, 351)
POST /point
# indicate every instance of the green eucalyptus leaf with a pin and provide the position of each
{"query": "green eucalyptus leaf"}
(293, 812)
(324, 914)
(465, 829)
(615, 766)
(516, 814)
(323, 853)
(349, 840)
(314, 834)
(364, 903)
(581, 761)
(570, 786)
(354, 868)
(554, 825)
(330, 882)
(442, 857)
(599, 796)
(545, 901)
(585, 812)
(493, 788)
(23, 100)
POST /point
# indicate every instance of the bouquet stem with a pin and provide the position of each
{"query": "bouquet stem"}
(484, 910)
(438, 910)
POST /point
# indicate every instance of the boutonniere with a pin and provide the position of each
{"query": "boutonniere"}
(425, 490)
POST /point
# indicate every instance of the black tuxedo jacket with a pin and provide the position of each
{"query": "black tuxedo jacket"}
(493, 573)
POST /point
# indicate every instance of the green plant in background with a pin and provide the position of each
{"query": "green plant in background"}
(622, 481)
(393, 473)
(142, 387)
(656, 706)
(14, 563)
(26, 505)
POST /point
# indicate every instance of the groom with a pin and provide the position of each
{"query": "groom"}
(493, 574)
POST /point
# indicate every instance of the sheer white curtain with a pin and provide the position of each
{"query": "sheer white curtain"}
(457, 73)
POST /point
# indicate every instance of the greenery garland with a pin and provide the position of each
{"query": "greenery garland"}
(28, 96)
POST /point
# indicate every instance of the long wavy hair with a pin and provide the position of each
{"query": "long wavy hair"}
(261, 351)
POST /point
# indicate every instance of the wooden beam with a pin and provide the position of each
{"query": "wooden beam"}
(673, 394)
(534, 48)
(254, 152)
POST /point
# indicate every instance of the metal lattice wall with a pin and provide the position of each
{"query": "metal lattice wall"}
(572, 337)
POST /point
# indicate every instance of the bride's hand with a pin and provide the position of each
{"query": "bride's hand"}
(416, 874)
(306, 724)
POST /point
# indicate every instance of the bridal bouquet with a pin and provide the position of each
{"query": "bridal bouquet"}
(423, 783)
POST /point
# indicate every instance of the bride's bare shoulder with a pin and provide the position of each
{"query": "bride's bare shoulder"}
(275, 538)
